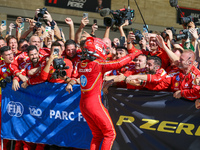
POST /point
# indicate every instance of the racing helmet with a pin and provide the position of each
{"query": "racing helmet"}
(94, 48)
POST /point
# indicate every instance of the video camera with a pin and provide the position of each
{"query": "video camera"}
(188, 19)
(59, 65)
(118, 16)
(4, 82)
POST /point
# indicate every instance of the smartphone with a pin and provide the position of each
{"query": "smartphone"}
(61, 32)
(145, 28)
(85, 15)
(122, 40)
(3, 22)
(56, 51)
(47, 28)
(95, 21)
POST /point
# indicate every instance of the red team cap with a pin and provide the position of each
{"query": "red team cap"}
(96, 47)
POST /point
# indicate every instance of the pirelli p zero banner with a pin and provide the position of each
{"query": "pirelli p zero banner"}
(84, 5)
(149, 120)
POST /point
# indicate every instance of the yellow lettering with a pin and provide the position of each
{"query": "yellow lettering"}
(185, 127)
(197, 133)
(122, 119)
(166, 124)
(150, 122)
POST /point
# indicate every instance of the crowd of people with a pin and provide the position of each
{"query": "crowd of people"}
(38, 55)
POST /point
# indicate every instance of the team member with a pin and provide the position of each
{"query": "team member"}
(154, 74)
(8, 58)
(48, 72)
(12, 42)
(91, 70)
(72, 54)
(155, 49)
(36, 62)
(139, 68)
(181, 82)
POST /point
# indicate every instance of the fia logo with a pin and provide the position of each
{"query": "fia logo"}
(15, 109)
(83, 80)
(35, 111)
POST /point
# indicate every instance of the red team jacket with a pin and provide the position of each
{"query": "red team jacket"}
(21, 60)
(176, 80)
(91, 72)
(47, 76)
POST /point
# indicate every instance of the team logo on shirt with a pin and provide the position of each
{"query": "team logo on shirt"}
(177, 78)
(83, 80)
(186, 84)
(5, 75)
(4, 69)
(84, 64)
(176, 84)
(51, 71)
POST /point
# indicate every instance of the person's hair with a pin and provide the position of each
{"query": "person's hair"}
(1, 38)
(122, 47)
(59, 40)
(56, 43)
(22, 41)
(30, 48)
(142, 55)
(82, 43)
(69, 42)
(31, 37)
(9, 38)
(156, 32)
(157, 60)
(4, 49)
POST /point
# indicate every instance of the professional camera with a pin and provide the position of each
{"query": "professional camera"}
(118, 16)
(38, 24)
(3, 82)
(188, 19)
(42, 12)
(138, 37)
(185, 34)
(164, 34)
(59, 65)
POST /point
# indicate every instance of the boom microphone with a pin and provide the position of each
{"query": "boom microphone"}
(173, 3)
(104, 12)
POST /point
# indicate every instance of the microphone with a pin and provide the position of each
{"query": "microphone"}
(104, 12)
(173, 3)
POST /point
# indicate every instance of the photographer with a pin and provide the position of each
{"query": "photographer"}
(60, 74)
